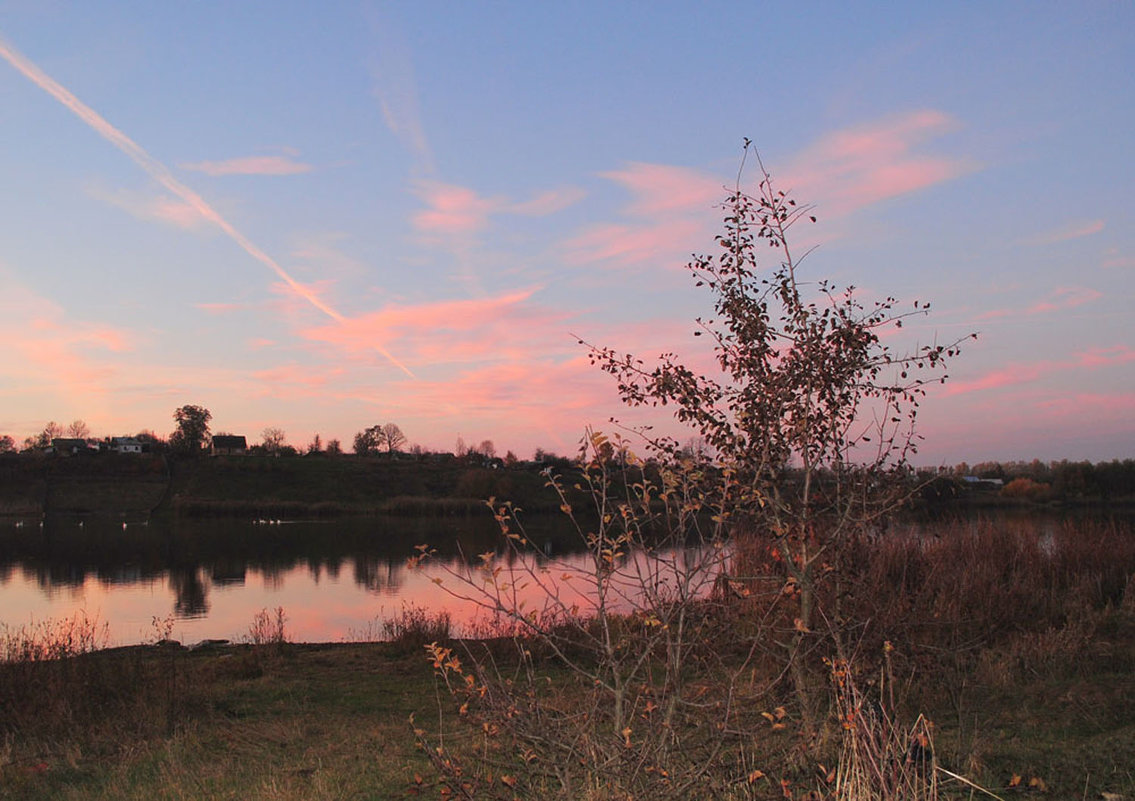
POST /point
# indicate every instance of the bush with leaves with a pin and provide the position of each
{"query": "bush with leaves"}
(812, 414)
(724, 562)
(619, 681)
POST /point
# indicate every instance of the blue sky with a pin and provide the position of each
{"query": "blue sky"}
(324, 216)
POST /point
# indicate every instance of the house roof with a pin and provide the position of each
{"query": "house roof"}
(229, 441)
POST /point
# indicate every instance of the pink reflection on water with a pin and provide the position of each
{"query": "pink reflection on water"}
(323, 604)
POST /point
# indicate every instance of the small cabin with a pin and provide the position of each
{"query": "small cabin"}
(126, 445)
(229, 445)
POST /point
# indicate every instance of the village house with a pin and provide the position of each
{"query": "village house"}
(126, 445)
(229, 445)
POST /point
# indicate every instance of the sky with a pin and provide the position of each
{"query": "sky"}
(325, 216)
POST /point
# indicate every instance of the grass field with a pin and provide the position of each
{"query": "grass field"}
(1020, 649)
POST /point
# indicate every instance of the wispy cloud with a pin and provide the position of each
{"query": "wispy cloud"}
(459, 211)
(849, 169)
(160, 173)
(1025, 373)
(1059, 299)
(294, 380)
(634, 243)
(1116, 260)
(162, 208)
(45, 349)
(547, 202)
(220, 308)
(444, 331)
(660, 189)
(669, 213)
(395, 88)
(251, 165)
(454, 210)
(1072, 230)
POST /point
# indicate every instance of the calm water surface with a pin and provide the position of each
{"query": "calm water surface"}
(336, 579)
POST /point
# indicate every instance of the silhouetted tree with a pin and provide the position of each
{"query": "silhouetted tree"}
(316, 445)
(7, 444)
(812, 419)
(43, 439)
(192, 434)
(273, 440)
(392, 438)
(78, 430)
(365, 442)
(334, 447)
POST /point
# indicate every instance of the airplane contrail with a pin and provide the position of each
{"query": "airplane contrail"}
(160, 173)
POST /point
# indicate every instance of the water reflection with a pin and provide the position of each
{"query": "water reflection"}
(213, 576)
(216, 574)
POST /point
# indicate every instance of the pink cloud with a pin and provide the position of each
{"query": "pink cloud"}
(548, 202)
(459, 210)
(670, 213)
(1091, 405)
(853, 168)
(454, 209)
(251, 165)
(1072, 230)
(162, 208)
(1015, 374)
(219, 308)
(1114, 260)
(660, 189)
(294, 380)
(1058, 299)
(1004, 377)
(633, 243)
(1104, 357)
(445, 331)
(1065, 298)
(45, 350)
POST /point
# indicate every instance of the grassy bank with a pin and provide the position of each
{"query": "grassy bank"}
(239, 722)
(1020, 648)
(331, 721)
(259, 486)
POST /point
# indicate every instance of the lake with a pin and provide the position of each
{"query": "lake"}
(336, 579)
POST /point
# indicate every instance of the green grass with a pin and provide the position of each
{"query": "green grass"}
(330, 721)
(311, 722)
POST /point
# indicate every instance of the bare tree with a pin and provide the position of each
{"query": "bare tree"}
(316, 445)
(43, 439)
(392, 438)
(78, 430)
(273, 439)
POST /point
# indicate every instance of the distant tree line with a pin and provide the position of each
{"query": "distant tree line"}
(192, 436)
(1034, 480)
(1058, 480)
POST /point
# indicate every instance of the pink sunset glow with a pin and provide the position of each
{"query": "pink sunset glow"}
(847, 170)
(384, 223)
(251, 165)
